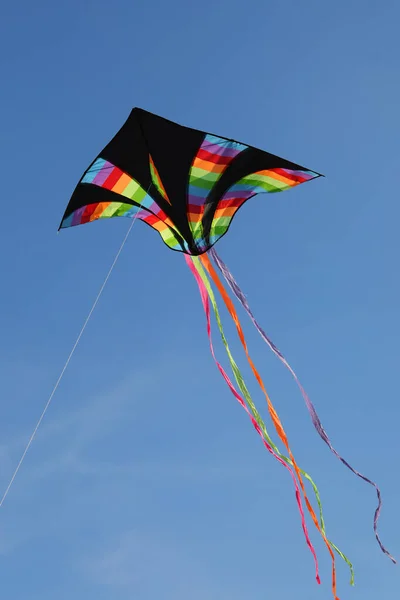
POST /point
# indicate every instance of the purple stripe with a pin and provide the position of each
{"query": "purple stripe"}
(76, 219)
(153, 207)
(311, 408)
(198, 200)
(220, 150)
(305, 174)
(143, 213)
(102, 175)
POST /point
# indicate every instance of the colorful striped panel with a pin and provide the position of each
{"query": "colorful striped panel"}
(107, 176)
(157, 180)
(272, 180)
(212, 159)
(105, 210)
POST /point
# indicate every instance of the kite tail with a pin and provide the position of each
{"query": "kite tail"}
(310, 406)
(243, 388)
(274, 416)
(205, 301)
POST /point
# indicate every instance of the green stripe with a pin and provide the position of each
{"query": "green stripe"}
(110, 210)
(169, 238)
(216, 230)
(268, 187)
(258, 177)
(157, 181)
(134, 191)
(201, 182)
(222, 221)
(199, 173)
(122, 209)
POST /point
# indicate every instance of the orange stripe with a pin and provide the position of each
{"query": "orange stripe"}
(274, 416)
(101, 207)
(194, 218)
(228, 211)
(209, 166)
(121, 184)
(156, 224)
(168, 222)
(279, 177)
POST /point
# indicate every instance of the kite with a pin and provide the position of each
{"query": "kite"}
(188, 185)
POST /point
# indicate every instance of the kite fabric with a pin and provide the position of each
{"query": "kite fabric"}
(188, 185)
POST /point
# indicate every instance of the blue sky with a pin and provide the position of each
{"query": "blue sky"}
(146, 479)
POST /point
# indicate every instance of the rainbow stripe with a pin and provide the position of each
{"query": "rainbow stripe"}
(157, 180)
(271, 180)
(213, 158)
(107, 176)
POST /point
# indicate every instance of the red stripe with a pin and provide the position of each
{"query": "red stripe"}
(291, 176)
(151, 219)
(161, 215)
(214, 158)
(112, 178)
(195, 209)
(227, 203)
(87, 213)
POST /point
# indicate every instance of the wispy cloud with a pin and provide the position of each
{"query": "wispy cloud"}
(63, 452)
(74, 430)
(60, 443)
(58, 450)
(140, 564)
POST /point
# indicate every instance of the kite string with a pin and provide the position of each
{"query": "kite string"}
(310, 406)
(67, 363)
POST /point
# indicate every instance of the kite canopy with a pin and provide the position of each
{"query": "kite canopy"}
(185, 183)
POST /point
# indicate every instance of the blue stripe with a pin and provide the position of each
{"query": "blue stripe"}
(93, 171)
